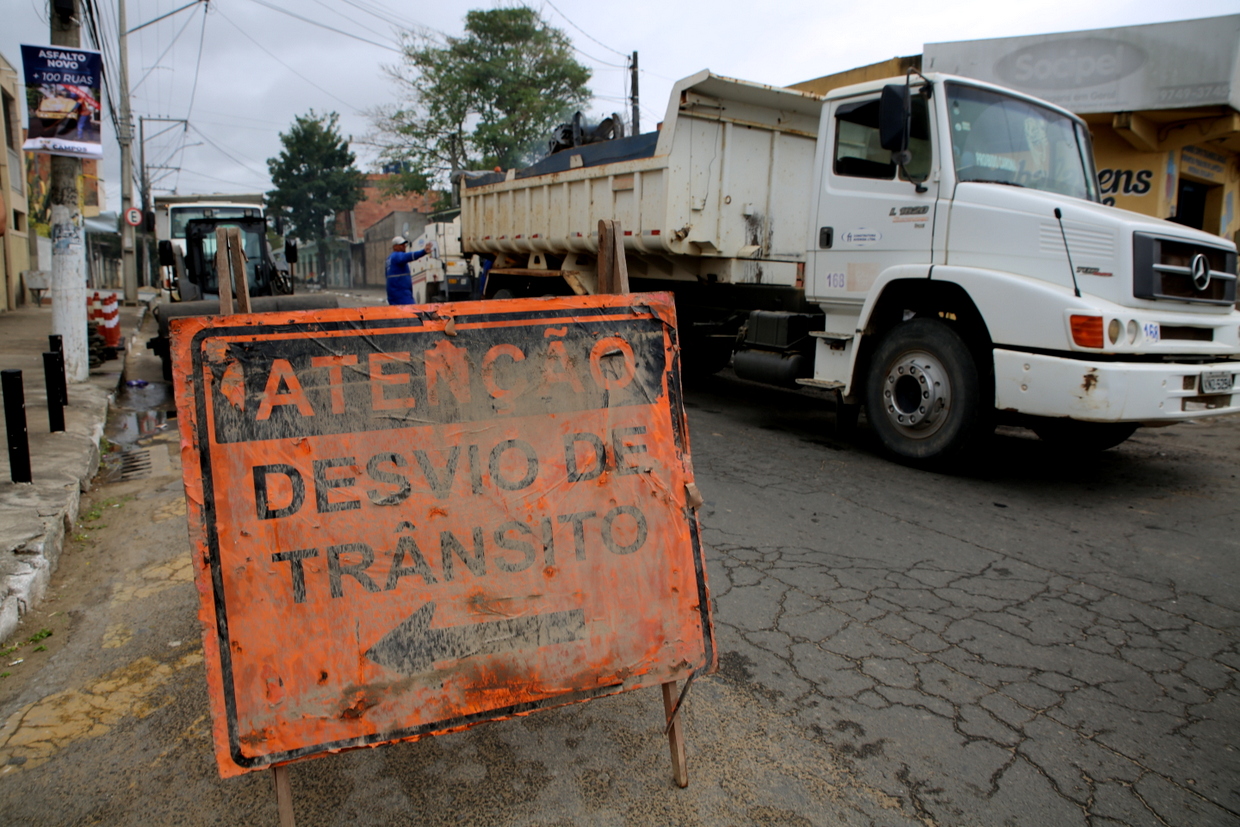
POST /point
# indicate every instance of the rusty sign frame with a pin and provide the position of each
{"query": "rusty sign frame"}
(196, 394)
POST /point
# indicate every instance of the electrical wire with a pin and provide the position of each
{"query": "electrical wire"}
(246, 184)
(354, 21)
(583, 31)
(225, 152)
(160, 59)
(274, 7)
(198, 66)
(389, 16)
(286, 66)
(598, 60)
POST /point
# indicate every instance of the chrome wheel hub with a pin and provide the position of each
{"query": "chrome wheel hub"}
(916, 394)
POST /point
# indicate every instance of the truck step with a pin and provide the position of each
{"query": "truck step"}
(835, 337)
(823, 384)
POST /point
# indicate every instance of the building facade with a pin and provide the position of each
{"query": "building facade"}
(1162, 102)
(14, 220)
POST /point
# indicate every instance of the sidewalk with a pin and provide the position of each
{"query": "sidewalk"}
(35, 517)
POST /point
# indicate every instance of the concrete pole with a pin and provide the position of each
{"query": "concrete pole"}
(68, 288)
(144, 194)
(637, 117)
(124, 137)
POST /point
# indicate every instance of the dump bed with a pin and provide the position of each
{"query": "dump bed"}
(727, 176)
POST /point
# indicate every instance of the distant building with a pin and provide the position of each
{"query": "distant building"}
(14, 212)
(1162, 102)
(366, 257)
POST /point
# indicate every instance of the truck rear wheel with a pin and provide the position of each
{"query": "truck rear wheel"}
(1082, 437)
(923, 394)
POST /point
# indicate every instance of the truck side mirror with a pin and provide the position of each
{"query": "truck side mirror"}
(290, 251)
(166, 257)
(893, 115)
(279, 226)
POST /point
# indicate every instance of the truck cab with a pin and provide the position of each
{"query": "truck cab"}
(976, 218)
(201, 280)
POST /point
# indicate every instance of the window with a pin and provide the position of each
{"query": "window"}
(1000, 139)
(9, 122)
(858, 153)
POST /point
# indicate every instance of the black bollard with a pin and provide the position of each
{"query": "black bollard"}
(53, 372)
(56, 344)
(15, 424)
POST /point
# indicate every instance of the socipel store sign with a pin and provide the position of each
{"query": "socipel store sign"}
(410, 520)
(1070, 63)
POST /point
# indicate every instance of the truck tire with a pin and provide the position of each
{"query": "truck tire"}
(1082, 437)
(923, 394)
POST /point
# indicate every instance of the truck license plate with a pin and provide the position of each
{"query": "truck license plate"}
(1216, 382)
(1153, 331)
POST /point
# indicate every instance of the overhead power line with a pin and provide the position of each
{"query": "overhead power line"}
(583, 31)
(286, 66)
(198, 65)
(160, 59)
(274, 7)
(226, 153)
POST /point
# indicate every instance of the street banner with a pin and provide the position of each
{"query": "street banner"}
(62, 97)
(409, 520)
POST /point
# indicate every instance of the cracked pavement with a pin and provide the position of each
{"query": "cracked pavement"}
(1044, 640)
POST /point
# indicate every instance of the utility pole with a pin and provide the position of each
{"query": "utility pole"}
(124, 137)
(637, 120)
(145, 178)
(68, 288)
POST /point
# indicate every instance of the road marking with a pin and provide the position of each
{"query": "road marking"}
(155, 578)
(39, 730)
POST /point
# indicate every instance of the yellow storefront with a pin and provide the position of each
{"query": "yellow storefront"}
(1162, 102)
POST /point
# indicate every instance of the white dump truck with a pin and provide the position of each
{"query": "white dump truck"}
(446, 274)
(932, 247)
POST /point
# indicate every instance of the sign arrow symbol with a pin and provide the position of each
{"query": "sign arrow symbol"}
(413, 647)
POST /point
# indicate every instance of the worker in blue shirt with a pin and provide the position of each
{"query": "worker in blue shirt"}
(399, 279)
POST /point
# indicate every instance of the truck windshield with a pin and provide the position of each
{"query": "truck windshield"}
(183, 215)
(998, 139)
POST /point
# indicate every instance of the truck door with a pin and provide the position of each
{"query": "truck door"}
(870, 214)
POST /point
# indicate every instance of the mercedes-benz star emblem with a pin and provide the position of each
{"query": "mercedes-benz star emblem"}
(1200, 269)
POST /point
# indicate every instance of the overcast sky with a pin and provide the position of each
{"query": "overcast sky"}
(240, 70)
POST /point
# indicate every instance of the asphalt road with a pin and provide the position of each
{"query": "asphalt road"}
(1046, 640)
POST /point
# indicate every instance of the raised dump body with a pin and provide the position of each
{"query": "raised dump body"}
(719, 194)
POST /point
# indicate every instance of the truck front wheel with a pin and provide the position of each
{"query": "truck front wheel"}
(923, 394)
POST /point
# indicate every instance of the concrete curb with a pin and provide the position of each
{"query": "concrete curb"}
(36, 517)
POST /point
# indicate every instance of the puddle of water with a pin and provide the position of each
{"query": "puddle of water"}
(139, 413)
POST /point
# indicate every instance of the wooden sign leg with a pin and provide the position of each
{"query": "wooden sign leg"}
(675, 737)
(284, 794)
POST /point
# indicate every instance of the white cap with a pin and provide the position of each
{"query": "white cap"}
(399, 240)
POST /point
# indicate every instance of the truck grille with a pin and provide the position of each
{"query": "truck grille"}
(1163, 269)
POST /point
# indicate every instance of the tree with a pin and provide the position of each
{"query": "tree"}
(314, 178)
(490, 98)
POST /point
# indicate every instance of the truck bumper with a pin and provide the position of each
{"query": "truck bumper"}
(1150, 393)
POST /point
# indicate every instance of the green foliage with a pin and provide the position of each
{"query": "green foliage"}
(42, 634)
(490, 98)
(314, 175)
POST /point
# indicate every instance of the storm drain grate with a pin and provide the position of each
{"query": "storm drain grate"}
(136, 464)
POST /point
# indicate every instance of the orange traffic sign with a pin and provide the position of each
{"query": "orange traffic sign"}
(410, 520)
